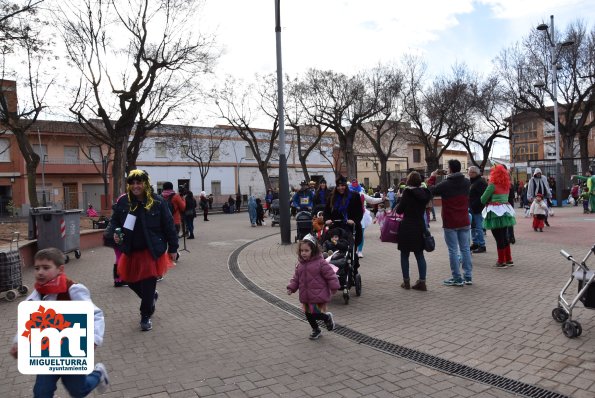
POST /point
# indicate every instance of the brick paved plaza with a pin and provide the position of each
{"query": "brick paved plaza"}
(213, 337)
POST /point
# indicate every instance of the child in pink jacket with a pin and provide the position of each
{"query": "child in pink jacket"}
(317, 282)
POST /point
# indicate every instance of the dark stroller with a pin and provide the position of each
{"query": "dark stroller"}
(304, 224)
(344, 258)
(585, 278)
(274, 212)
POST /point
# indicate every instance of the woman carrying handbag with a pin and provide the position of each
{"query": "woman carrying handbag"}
(411, 231)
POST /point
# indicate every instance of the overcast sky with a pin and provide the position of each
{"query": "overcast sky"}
(351, 35)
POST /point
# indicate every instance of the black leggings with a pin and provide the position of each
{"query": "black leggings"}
(311, 318)
(145, 289)
(500, 234)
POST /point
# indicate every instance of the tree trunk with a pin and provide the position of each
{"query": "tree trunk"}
(347, 148)
(264, 171)
(31, 168)
(568, 162)
(119, 169)
(432, 162)
(584, 153)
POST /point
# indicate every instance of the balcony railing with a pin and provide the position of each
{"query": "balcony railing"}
(69, 161)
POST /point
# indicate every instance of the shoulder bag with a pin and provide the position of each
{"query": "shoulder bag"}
(429, 242)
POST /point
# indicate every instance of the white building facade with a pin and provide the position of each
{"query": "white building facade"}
(233, 165)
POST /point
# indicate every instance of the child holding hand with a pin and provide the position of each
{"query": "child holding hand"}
(317, 282)
(538, 211)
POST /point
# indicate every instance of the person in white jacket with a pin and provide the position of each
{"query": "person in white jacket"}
(367, 219)
(51, 284)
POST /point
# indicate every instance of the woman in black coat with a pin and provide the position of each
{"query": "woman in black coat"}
(347, 206)
(413, 206)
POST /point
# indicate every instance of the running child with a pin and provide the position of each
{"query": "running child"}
(317, 282)
(51, 284)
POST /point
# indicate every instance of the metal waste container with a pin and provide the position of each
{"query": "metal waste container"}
(57, 228)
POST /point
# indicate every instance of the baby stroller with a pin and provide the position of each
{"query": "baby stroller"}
(274, 212)
(344, 258)
(11, 281)
(586, 294)
(304, 224)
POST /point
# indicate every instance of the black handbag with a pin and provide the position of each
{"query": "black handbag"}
(429, 242)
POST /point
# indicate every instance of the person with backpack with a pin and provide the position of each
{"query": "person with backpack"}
(175, 203)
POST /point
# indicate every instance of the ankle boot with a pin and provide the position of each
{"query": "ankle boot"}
(406, 285)
(420, 285)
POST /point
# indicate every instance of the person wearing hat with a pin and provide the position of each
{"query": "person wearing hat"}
(538, 184)
(321, 196)
(149, 241)
(304, 198)
(538, 211)
(346, 205)
(392, 198)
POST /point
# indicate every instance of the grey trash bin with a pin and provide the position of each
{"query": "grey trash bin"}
(59, 229)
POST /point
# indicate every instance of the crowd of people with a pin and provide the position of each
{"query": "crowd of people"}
(145, 229)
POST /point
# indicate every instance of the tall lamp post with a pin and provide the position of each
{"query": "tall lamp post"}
(555, 48)
(283, 176)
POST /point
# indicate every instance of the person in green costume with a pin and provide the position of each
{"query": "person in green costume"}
(590, 178)
(498, 214)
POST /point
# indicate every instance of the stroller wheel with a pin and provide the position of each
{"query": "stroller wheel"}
(559, 315)
(10, 295)
(569, 329)
(346, 298)
(577, 327)
(358, 285)
(23, 289)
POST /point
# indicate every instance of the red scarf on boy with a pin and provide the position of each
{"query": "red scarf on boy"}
(54, 286)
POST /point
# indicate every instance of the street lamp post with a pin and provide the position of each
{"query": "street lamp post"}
(283, 175)
(554, 54)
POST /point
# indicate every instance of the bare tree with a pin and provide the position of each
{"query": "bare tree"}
(439, 111)
(386, 133)
(21, 37)
(489, 120)
(525, 68)
(201, 145)
(133, 87)
(307, 134)
(242, 106)
(341, 104)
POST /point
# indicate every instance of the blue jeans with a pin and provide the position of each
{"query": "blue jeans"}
(477, 229)
(77, 385)
(421, 264)
(457, 240)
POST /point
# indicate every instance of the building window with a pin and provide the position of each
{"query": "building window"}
(249, 154)
(71, 154)
(417, 156)
(216, 188)
(215, 153)
(4, 150)
(95, 154)
(160, 150)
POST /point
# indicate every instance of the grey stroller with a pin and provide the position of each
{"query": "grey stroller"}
(274, 212)
(586, 294)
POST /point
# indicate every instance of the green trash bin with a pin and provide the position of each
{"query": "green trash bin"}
(60, 229)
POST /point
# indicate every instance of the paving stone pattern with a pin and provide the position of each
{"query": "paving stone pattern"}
(212, 337)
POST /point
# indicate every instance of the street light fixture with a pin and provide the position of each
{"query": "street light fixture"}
(555, 49)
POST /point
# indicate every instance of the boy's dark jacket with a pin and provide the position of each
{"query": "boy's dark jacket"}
(157, 222)
(478, 186)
